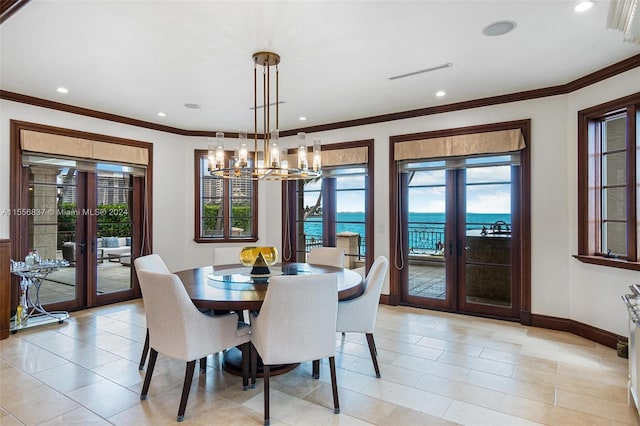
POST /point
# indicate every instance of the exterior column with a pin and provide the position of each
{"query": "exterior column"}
(350, 242)
(44, 206)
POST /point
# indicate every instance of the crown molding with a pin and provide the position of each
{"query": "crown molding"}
(9, 7)
(580, 83)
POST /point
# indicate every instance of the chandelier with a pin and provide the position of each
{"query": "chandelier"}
(269, 160)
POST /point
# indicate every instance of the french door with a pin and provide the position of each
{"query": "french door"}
(91, 216)
(461, 239)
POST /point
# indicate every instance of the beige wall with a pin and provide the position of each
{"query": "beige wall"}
(561, 286)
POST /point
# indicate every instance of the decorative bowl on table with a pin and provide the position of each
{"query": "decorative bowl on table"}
(259, 258)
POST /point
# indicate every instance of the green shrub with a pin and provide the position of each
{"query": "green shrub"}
(240, 218)
(113, 221)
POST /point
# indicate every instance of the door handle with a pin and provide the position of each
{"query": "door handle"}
(83, 246)
(459, 247)
(450, 247)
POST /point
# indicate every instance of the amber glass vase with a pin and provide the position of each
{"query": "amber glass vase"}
(260, 258)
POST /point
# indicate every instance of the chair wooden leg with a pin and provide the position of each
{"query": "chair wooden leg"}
(145, 350)
(203, 365)
(266, 372)
(373, 351)
(188, 377)
(153, 355)
(316, 369)
(246, 355)
(254, 365)
(334, 385)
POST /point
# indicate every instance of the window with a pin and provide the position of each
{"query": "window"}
(335, 210)
(337, 200)
(225, 209)
(608, 144)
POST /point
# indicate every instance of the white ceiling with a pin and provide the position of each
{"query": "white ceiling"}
(136, 58)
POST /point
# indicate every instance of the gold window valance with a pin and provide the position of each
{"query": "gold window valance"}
(461, 145)
(339, 157)
(67, 146)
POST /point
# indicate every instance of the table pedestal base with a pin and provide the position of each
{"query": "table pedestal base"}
(232, 363)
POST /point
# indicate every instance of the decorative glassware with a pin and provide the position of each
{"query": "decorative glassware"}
(243, 153)
(274, 154)
(260, 258)
(219, 146)
(303, 163)
(317, 155)
(29, 259)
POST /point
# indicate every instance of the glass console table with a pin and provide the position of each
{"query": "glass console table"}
(31, 310)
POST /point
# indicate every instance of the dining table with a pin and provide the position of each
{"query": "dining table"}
(234, 288)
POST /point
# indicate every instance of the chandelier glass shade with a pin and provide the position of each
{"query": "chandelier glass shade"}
(269, 159)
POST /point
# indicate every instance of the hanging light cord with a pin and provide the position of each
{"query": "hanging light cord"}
(399, 258)
(145, 218)
(286, 249)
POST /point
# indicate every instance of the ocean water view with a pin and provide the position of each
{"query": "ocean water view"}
(426, 230)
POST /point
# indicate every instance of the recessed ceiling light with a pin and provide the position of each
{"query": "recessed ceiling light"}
(584, 6)
(499, 28)
(440, 93)
(302, 118)
(192, 106)
(162, 114)
(62, 90)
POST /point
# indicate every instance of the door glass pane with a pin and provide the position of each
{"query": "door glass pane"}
(427, 199)
(309, 222)
(114, 230)
(350, 222)
(488, 235)
(52, 228)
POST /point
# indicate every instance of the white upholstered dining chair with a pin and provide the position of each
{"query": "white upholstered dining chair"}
(152, 262)
(296, 323)
(328, 256)
(359, 315)
(179, 330)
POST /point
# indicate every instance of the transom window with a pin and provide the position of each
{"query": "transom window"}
(607, 179)
(225, 209)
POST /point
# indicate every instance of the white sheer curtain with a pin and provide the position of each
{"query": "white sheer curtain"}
(625, 16)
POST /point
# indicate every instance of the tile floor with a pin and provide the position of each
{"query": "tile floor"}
(427, 281)
(437, 369)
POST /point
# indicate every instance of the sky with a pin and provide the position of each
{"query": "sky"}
(484, 195)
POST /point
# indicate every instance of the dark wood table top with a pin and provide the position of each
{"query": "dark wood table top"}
(221, 293)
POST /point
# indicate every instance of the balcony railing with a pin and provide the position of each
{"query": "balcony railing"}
(311, 241)
(426, 238)
(429, 238)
